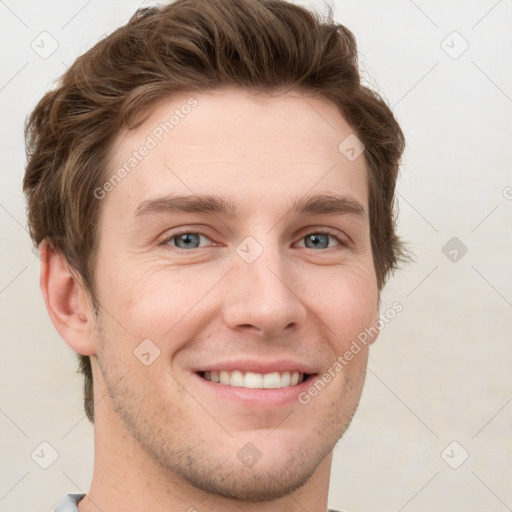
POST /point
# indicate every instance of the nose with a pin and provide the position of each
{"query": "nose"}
(263, 295)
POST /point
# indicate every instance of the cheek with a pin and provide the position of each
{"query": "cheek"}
(160, 305)
(166, 305)
(348, 306)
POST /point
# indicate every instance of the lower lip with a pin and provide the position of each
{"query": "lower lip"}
(265, 398)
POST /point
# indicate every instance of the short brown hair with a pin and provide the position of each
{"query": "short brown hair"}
(193, 46)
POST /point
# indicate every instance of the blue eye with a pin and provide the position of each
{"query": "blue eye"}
(186, 240)
(319, 240)
(189, 240)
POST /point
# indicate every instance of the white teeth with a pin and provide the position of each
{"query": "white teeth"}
(272, 380)
(254, 380)
(237, 379)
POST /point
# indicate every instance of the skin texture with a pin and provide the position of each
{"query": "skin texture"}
(164, 441)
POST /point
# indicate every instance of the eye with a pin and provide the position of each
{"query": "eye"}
(320, 240)
(186, 241)
(189, 240)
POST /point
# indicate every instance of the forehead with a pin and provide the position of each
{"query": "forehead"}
(266, 146)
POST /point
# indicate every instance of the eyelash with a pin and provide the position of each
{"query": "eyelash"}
(323, 231)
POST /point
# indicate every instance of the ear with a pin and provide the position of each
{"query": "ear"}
(377, 323)
(68, 303)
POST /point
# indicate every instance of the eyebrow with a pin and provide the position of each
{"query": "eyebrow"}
(197, 203)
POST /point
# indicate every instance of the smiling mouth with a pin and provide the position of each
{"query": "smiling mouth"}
(253, 380)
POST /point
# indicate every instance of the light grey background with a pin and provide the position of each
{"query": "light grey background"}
(440, 371)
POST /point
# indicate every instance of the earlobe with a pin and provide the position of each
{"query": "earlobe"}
(67, 302)
(377, 324)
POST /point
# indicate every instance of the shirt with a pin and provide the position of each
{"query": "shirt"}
(70, 503)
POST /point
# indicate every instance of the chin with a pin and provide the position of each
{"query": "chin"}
(264, 481)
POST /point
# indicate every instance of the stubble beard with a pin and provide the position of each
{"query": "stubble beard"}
(182, 452)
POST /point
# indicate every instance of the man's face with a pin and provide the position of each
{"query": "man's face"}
(237, 295)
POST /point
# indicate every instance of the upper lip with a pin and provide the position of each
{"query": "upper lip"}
(258, 366)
